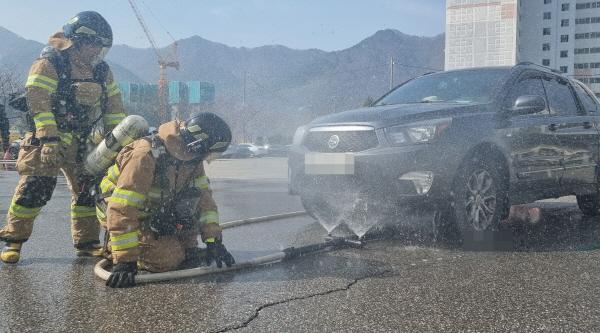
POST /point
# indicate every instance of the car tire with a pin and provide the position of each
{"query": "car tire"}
(480, 199)
(445, 229)
(251, 155)
(589, 204)
(14, 153)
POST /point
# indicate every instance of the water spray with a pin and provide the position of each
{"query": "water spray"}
(331, 242)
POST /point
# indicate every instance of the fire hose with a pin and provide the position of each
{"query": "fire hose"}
(289, 253)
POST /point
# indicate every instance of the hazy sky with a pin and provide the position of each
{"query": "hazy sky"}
(329, 25)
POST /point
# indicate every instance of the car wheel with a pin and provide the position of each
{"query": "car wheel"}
(445, 229)
(14, 152)
(251, 155)
(480, 200)
(589, 204)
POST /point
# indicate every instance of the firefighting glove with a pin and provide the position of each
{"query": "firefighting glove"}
(123, 275)
(216, 251)
(49, 153)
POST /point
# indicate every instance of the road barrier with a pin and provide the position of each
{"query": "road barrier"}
(8, 164)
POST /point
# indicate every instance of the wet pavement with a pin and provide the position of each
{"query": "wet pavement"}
(404, 283)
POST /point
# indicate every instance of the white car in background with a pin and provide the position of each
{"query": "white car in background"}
(255, 150)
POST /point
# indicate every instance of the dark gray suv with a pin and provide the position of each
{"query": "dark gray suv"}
(460, 146)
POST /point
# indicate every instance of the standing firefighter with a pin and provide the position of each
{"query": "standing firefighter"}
(157, 200)
(70, 89)
(4, 129)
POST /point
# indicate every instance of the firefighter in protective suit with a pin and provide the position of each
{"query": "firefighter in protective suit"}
(59, 129)
(4, 129)
(158, 200)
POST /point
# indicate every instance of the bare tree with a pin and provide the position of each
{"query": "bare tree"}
(12, 81)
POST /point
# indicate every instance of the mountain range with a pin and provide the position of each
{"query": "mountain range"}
(272, 78)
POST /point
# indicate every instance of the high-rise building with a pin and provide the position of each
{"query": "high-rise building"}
(560, 34)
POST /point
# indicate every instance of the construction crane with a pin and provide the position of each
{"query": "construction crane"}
(170, 60)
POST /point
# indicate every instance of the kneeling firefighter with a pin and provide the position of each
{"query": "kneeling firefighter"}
(156, 199)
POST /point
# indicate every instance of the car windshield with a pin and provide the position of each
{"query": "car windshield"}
(469, 86)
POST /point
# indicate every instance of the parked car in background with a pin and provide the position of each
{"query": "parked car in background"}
(14, 136)
(464, 145)
(255, 150)
(278, 150)
(235, 151)
(230, 152)
(15, 147)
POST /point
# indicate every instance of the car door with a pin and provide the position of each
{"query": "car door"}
(533, 146)
(575, 132)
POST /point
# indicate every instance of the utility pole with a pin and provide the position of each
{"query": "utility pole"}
(244, 97)
(391, 73)
(244, 108)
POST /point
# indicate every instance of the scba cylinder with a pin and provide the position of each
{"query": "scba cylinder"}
(103, 155)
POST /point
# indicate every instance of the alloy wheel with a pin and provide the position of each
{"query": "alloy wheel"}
(480, 199)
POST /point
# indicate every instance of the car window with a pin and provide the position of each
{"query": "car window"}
(587, 100)
(455, 86)
(560, 97)
(527, 85)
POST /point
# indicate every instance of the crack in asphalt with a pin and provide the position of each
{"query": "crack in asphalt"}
(257, 311)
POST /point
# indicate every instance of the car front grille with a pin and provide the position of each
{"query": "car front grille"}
(350, 139)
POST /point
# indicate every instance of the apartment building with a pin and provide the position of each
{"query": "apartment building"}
(560, 34)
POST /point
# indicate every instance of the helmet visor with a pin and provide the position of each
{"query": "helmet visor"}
(105, 42)
(100, 56)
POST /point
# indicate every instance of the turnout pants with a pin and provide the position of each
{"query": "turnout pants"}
(164, 253)
(35, 189)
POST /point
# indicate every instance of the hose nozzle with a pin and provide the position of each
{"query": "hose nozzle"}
(343, 241)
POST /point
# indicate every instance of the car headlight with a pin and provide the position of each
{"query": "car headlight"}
(422, 180)
(299, 135)
(415, 133)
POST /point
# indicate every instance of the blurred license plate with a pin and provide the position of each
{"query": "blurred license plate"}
(329, 164)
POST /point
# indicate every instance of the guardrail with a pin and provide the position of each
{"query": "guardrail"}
(9, 162)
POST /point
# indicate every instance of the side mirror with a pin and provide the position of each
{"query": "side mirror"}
(528, 104)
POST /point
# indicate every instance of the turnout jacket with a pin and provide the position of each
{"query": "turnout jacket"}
(136, 191)
(42, 84)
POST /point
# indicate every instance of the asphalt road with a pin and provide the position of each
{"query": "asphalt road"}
(404, 283)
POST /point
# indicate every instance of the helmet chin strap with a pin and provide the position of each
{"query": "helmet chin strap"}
(212, 156)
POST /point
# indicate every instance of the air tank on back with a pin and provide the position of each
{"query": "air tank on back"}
(103, 155)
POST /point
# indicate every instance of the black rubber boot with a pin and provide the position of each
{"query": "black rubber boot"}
(89, 249)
